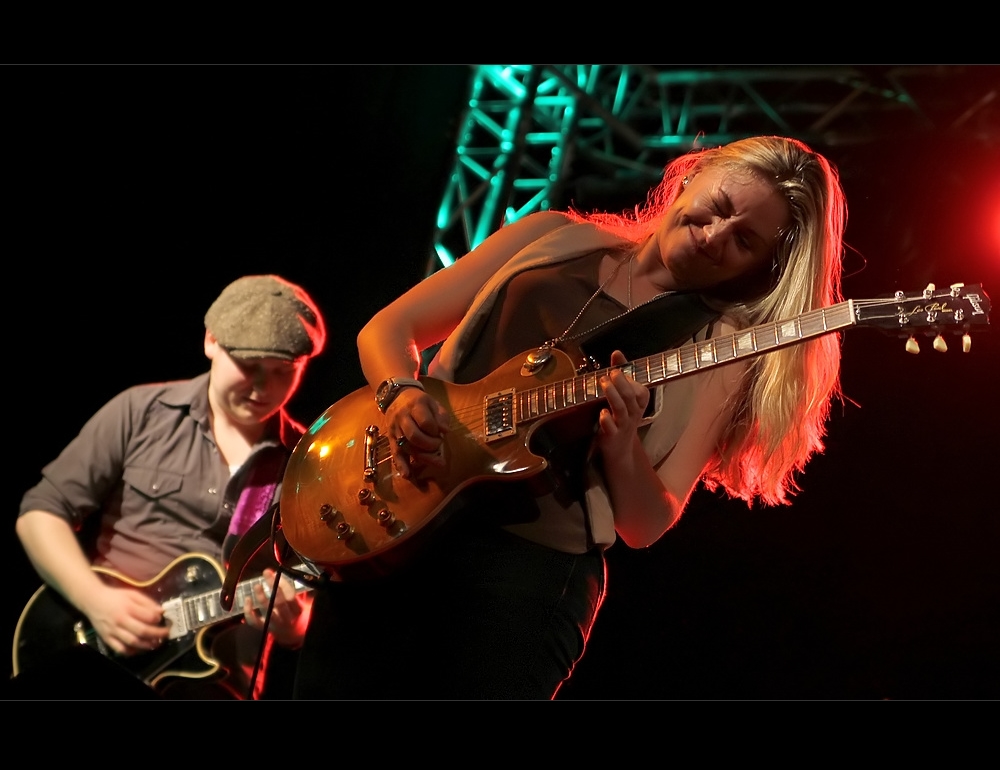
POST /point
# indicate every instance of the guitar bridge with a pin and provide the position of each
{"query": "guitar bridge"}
(498, 415)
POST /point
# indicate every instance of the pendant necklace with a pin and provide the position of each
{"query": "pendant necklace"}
(540, 356)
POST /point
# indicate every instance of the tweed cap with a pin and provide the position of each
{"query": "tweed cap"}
(265, 316)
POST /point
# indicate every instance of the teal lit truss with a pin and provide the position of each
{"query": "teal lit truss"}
(530, 130)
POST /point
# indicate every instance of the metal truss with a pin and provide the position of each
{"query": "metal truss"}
(539, 136)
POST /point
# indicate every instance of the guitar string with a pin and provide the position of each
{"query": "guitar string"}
(473, 409)
(804, 317)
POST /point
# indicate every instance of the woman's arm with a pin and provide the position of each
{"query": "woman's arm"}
(390, 344)
(647, 501)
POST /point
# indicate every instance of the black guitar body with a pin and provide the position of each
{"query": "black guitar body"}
(78, 673)
(49, 626)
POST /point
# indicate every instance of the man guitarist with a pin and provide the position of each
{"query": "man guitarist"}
(168, 470)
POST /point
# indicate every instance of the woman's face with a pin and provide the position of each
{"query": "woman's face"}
(724, 225)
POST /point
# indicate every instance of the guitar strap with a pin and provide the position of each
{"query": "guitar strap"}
(258, 491)
(650, 328)
(252, 522)
(243, 551)
(266, 528)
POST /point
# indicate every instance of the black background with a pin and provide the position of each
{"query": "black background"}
(133, 195)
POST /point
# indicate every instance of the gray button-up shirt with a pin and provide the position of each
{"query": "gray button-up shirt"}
(146, 474)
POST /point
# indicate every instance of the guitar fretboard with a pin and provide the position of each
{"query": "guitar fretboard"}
(654, 370)
(189, 613)
(206, 609)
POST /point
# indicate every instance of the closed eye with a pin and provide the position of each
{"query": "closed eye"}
(724, 209)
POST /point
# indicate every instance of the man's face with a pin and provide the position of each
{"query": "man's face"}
(251, 390)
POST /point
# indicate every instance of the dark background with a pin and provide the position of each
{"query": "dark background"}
(135, 194)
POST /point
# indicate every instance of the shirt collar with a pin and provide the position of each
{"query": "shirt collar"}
(193, 395)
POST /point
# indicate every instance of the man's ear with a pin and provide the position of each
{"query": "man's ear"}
(211, 345)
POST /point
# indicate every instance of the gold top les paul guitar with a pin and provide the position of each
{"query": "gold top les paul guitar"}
(345, 508)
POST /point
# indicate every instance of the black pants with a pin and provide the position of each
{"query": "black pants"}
(484, 614)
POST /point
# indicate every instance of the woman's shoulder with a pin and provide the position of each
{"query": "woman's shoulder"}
(725, 324)
(540, 223)
(727, 321)
(531, 229)
(548, 218)
(561, 231)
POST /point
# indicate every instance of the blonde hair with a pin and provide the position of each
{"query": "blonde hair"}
(781, 409)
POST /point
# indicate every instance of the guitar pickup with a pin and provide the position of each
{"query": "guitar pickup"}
(173, 614)
(498, 414)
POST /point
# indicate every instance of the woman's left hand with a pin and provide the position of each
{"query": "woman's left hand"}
(627, 402)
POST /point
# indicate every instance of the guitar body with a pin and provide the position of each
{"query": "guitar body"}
(334, 516)
(49, 625)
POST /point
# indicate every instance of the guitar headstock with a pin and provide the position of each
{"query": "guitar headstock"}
(931, 312)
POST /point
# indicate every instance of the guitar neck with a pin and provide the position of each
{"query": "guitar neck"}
(698, 356)
(190, 613)
(534, 403)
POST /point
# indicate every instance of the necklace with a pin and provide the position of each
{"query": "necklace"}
(628, 298)
(537, 358)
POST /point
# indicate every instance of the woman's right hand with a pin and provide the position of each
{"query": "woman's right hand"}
(417, 425)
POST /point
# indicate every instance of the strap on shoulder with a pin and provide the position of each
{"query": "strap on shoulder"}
(246, 547)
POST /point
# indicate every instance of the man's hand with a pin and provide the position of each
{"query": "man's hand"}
(290, 615)
(126, 619)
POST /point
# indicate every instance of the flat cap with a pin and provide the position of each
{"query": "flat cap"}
(266, 316)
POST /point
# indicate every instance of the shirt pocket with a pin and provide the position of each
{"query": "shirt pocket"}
(153, 483)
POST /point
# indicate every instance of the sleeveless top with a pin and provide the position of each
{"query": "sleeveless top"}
(532, 300)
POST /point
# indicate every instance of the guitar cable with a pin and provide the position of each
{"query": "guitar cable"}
(282, 550)
(263, 632)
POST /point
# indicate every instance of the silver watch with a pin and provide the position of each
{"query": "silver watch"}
(389, 389)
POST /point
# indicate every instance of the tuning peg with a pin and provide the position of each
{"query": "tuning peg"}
(912, 346)
(966, 343)
(940, 345)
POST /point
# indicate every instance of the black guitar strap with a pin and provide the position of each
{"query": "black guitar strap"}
(266, 529)
(245, 549)
(650, 328)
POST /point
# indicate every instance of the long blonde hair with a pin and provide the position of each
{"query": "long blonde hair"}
(779, 418)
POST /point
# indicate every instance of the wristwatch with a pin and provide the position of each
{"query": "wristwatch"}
(389, 389)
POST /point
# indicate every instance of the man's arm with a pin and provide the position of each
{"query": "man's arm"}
(128, 620)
